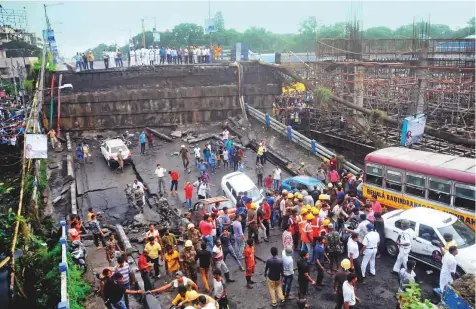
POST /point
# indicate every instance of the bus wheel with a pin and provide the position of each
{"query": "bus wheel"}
(391, 247)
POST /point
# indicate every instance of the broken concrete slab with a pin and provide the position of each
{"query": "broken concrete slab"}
(252, 136)
(57, 199)
(158, 134)
(123, 238)
(53, 166)
(176, 134)
(245, 140)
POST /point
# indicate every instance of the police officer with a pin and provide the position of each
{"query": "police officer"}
(188, 260)
(369, 249)
(194, 235)
(404, 243)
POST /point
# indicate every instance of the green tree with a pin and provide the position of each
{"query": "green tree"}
(219, 22)
(188, 34)
(378, 33)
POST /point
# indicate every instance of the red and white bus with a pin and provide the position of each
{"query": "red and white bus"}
(405, 178)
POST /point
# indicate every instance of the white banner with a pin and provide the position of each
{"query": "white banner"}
(36, 146)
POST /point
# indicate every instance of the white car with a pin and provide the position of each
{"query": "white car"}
(234, 183)
(110, 148)
(430, 225)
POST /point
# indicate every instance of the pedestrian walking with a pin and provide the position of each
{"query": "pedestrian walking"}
(150, 140)
(259, 169)
(105, 58)
(153, 251)
(274, 272)
(219, 261)
(276, 178)
(266, 218)
(339, 279)
(144, 269)
(169, 239)
(380, 229)
(369, 249)
(79, 153)
(91, 60)
(105, 275)
(185, 154)
(206, 227)
(353, 255)
(239, 236)
(204, 259)
(139, 191)
(307, 236)
(120, 161)
(188, 260)
(195, 236)
(153, 232)
(252, 223)
(348, 291)
(260, 153)
(404, 243)
(142, 140)
(250, 261)
(219, 290)
(227, 245)
(303, 275)
(116, 291)
(160, 172)
(98, 234)
(319, 257)
(172, 261)
(174, 177)
(333, 247)
(448, 270)
(213, 162)
(52, 135)
(124, 269)
(288, 272)
(112, 250)
(188, 194)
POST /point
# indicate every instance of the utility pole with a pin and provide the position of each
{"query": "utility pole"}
(209, 18)
(143, 33)
(14, 79)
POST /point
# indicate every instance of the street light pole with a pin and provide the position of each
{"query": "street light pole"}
(209, 19)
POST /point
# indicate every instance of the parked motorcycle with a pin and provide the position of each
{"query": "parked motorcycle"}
(78, 254)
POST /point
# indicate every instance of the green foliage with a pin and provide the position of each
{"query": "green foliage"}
(262, 40)
(8, 87)
(28, 86)
(323, 94)
(411, 298)
(78, 289)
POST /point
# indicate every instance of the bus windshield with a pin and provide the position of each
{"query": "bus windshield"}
(462, 234)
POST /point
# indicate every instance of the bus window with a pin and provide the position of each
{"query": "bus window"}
(439, 190)
(394, 181)
(416, 184)
(465, 196)
(373, 174)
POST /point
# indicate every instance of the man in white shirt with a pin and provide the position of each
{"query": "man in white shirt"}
(348, 290)
(276, 178)
(226, 135)
(196, 151)
(362, 227)
(404, 243)
(369, 250)
(160, 172)
(448, 270)
(353, 254)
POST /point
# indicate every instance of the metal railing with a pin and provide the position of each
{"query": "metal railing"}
(297, 137)
(63, 267)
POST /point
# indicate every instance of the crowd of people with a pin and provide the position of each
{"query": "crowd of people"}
(294, 107)
(12, 124)
(332, 233)
(174, 55)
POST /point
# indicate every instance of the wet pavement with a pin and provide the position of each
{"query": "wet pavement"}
(103, 190)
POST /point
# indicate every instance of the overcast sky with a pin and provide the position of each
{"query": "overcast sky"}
(80, 25)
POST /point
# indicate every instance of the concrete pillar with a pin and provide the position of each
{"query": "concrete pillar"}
(421, 75)
(359, 93)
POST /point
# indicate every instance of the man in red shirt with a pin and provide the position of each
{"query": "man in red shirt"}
(333, 163)
(376, 207)
(188, 194)
(144, 269)
(266, 216)
(268, 182)
(174, 175)
(206, 227)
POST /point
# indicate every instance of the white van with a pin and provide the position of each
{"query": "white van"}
(237, 182)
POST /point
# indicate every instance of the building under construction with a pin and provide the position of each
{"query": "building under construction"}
(396, 78)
